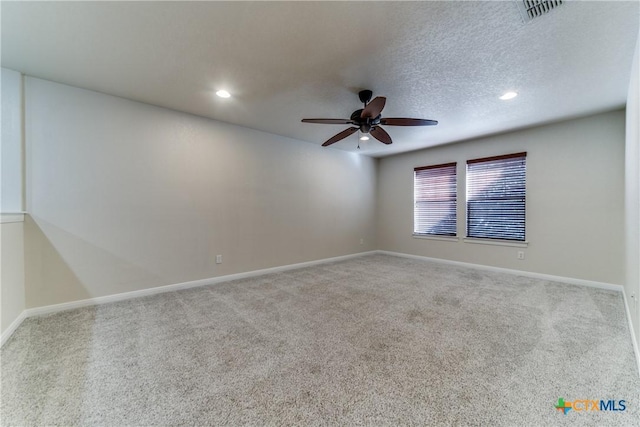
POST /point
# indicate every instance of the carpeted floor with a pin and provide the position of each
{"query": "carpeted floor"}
(376, 340)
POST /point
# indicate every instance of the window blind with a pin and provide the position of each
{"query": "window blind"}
(496, 197)
(434, 191)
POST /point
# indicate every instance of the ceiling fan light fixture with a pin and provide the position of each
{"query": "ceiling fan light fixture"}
(364, 138)
(223, 93)
(508, 95)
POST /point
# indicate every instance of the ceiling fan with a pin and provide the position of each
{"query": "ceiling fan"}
(368, 120)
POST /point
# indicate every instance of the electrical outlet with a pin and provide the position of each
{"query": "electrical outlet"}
(218, 259)
(520, 254)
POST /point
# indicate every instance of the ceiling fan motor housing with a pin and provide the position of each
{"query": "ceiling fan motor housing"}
(355, 116)
(365, 124)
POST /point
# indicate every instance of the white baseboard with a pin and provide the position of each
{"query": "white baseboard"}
(12, 327)
(49, 309)
(552, 278)
(634, 341)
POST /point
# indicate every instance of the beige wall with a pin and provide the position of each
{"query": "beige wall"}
(575, 200)
(632, 194)
(12, 292)
(124, 196)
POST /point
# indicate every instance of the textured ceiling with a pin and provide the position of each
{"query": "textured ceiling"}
(284, 61)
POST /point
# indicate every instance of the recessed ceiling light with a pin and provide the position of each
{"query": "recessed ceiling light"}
(223, 93)
(364, 138)
(508, 95)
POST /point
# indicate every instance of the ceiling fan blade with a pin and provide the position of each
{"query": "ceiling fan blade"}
(381, 135)
(401, 121)
(374, 108)
(342, 135)
(328, 121)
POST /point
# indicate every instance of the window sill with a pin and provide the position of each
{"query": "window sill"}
(11, 217)
(435, 237)
(496, 242)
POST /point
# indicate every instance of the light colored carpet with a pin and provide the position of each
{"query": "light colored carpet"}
(376, 340)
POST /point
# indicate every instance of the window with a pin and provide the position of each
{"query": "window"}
(434, 196)
(496, 197)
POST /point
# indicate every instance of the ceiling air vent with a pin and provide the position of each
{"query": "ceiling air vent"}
(534, 8)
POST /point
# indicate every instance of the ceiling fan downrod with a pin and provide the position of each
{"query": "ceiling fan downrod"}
(365, 96)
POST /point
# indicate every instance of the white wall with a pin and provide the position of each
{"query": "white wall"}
(575, 200)
(632, 195)
(11, 153)
(12, 290)
(124, 196)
